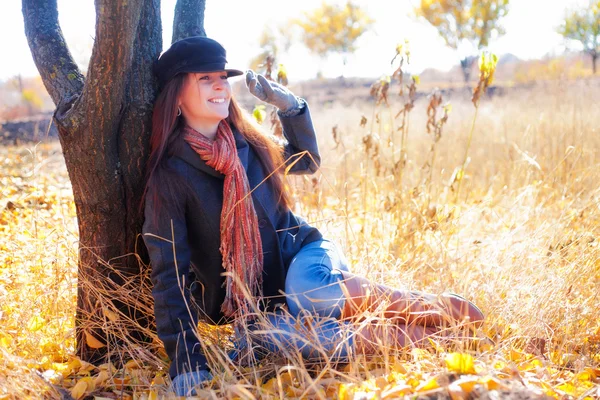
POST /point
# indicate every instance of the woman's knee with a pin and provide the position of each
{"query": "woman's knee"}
(313, 279)
(322, 293)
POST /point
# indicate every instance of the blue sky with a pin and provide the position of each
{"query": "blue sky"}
(237, 24)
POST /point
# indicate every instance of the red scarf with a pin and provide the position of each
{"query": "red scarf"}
(241, 246)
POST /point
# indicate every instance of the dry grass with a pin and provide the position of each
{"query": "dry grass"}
(521, 242)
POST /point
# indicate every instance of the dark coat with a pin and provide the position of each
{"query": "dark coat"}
(196, 221)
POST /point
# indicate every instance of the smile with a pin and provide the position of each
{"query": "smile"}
(217, 100)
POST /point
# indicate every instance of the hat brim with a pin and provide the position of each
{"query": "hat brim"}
(211, 68)
(233, 72)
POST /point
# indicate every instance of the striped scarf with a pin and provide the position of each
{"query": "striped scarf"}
(241, 246)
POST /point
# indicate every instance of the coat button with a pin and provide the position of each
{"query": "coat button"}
(262, 223)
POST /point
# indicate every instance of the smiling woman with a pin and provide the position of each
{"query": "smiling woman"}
(204, 101)
(224, 243)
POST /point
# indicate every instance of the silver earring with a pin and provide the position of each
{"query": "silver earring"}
(178, 111)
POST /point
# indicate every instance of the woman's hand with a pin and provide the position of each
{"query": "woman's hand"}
(271, 92)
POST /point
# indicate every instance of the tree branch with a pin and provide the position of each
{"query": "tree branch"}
(54, 62)
(136, 121)
(142, 87)
(189, 19)
(103, 93)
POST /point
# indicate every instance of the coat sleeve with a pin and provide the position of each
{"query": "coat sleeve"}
(176, 318)
(301, 151)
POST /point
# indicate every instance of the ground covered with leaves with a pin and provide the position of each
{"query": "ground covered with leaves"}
(520, 239)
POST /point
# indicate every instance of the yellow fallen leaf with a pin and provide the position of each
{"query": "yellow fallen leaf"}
(102, 377)
(493, 383)
(345, 392)
(49, 347)
(429, 385)
(132, 364)
(92, 341)
(63, 368)
(107, 367)
(587, 374)
(111, 315)
(568, 388)
(35, 323)
(397, 390)
(516, 355)
(399, 368)
(74, 364)
(381, 382)
(79, 389)
(121, 382)
(271, 385)
(159, 379)
(91, 386)
(461, 363)
(86, 368)
(6, 341)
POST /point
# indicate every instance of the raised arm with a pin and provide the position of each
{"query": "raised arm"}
(165, 236)
(301, 151)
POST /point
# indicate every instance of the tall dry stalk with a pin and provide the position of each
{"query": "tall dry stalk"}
(487, 67)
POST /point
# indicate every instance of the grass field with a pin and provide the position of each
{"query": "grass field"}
(520, 239)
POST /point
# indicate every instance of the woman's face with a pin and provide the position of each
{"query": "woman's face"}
(205, 97)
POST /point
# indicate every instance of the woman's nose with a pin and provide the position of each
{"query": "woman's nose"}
(218, 85)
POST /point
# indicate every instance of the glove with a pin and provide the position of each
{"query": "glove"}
(271, 92)
(184, 384)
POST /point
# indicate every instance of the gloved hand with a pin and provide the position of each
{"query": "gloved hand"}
(271, 92)
(184, 384)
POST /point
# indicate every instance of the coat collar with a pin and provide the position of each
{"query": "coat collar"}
(188, 154)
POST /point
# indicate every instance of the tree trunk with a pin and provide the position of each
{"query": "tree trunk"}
(104, 126)
(594, 59)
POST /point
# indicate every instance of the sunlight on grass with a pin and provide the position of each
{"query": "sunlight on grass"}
(521, 242)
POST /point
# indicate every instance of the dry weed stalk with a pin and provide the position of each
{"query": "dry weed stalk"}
(487, 67)
(435, 127)
(379, 90)
(268, 65)
(402, 53)
(405, 111)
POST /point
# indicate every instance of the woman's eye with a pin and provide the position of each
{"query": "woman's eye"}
(203, 77)
(223, 76)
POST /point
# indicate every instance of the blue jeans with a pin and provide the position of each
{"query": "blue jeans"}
(315, 301)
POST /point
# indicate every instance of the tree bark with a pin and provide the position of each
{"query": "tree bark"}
(189, 19)
(104, 126)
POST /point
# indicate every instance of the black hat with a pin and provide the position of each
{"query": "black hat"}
(192, 54)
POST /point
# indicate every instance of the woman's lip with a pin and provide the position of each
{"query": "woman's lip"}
(218, 98)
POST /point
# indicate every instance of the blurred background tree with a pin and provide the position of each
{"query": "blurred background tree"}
(465, 25)
(334, 29)
(273, 42)
(583, 25)
(23, 97)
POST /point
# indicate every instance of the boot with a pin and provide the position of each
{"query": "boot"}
(407, 307)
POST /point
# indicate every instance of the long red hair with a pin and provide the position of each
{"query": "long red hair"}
(163, 142)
